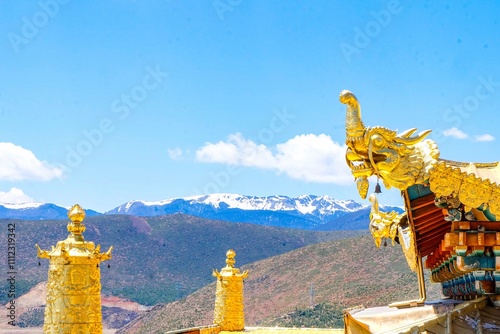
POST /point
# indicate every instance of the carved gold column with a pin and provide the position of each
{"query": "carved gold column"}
(229, 313)
(74, 284)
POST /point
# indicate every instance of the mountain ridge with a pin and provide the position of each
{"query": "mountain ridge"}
(311, 212)
(171, 255)
(302, 203)
(304, 212)
(37, 211)
(344, 273)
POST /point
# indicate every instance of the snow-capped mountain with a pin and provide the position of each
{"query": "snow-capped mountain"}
(306, 211)
(303, 212)
(36, 211)
(305, 204)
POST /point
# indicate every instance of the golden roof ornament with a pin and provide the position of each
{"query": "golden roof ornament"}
(73, 287)
(230, 261)
(400, 160)
(383, 224)
(229, 309)
(76, 214)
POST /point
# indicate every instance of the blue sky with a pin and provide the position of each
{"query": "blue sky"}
(102, 102)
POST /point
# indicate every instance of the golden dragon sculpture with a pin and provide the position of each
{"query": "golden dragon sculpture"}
(400, 160)
(393, 226)
(383, 224)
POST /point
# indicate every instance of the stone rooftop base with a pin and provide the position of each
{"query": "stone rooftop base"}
(441, 317)
(285, 330)
(214, 329)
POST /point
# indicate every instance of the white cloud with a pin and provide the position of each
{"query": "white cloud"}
(455, 133)
(484, 137)
(14, 196)
(175, 153)
(314, 158)
(18, 163)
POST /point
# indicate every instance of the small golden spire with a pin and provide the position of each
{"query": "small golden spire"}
(229, 310)
(76, 214)
(73, 303)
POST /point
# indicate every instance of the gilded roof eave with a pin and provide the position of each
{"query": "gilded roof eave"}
(475, 184)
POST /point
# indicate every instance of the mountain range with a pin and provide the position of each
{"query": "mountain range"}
(155, 259)
(341, 273)
(167, 261)
(303, 212)
(162, 259)
(37, 211)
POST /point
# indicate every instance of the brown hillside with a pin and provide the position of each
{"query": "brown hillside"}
(346, 272)
(155, 259)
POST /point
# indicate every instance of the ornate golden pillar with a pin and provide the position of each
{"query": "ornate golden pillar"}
(74, 282)
(228, 312)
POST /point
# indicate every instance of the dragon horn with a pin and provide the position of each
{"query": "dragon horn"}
(347, 97)
(407, 133)
(413, 140)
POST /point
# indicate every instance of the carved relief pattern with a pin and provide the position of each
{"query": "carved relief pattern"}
(73, 299)
(494, 205)
(229, 308)
(473, 192)
(443, 181)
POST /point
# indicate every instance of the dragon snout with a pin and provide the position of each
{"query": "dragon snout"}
(346, 96)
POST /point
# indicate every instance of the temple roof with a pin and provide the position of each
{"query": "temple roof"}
(214, 329)
(489, 170)
(461, 317)
(471, 184)
(283, 330)
(451, 207)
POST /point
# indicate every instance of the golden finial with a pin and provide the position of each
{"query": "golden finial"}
(76, 214)
(230, 261)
